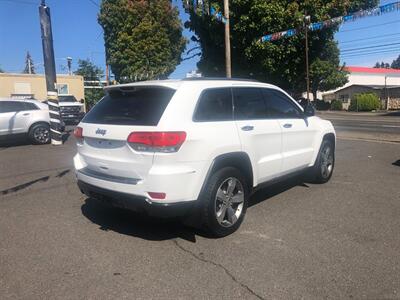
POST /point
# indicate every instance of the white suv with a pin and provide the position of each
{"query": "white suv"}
(28, 118)
(197, 148)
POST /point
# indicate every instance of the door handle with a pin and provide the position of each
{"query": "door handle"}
(26, 114)
(287, 125)
(247, 128)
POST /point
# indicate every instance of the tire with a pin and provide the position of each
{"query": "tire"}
(225, 200)
(40, 134)
(325, 163)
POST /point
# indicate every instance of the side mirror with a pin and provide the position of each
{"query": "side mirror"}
(309, 110)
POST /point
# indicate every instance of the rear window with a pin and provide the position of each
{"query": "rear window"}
(139, 106)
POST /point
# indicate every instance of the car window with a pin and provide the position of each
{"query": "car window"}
(11, 106)
(140, 106)
(280, 106)
(214, 105)
(30, 106)
(249, 104)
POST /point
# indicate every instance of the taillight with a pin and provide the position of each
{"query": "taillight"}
(166, 142)
(78, 132)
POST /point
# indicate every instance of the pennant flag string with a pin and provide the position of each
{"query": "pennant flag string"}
(377, 11)
(217, 15)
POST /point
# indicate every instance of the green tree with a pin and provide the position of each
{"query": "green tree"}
(281, 62)
(337, 105)
(377, 65)
(1, 70)
(29, 65)
(364, 102)
(143, 39)
(396, 63)
(92, 75)
(325, 72)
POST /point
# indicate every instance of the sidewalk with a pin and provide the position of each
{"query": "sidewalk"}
(382, 113)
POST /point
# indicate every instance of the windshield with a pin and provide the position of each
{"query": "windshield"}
(66, 99)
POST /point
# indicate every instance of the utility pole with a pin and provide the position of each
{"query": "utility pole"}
(306, 22)
(107, 74)
(50, 72)
(227, 41)
(69, 64)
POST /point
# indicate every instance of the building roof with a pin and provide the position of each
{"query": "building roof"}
(369, 86)
(372, 70)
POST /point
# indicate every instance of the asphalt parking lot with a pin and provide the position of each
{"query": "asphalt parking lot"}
(337, 241)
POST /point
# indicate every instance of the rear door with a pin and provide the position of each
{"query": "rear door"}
(260, 136)
(297, 133)
(14, 118)
(104, 148)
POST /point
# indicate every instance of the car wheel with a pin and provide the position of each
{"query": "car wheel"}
(40, 134)
(225, 200)
(325, 163)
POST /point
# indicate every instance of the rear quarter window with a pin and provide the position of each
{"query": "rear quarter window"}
(214, 105)
(142, 106)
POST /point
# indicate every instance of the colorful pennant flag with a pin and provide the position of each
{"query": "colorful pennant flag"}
(377, 11)
(217, 15)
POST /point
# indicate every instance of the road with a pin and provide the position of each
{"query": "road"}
(336, 241)
(365, 125)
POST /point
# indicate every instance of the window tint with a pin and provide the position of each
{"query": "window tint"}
(30, 106)
(140, 106)
(280, 106)
(214, 105)
(249, 104)
(11, 106)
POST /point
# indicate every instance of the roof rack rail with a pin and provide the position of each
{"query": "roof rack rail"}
(218, 78)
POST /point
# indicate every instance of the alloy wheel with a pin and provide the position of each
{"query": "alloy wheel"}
(229, 202)
(41, 135)
(326, 162)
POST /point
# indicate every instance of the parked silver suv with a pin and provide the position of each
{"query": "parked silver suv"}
(26, 118)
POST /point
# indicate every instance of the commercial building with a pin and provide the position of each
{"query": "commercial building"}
(385, 83)
(33, 86)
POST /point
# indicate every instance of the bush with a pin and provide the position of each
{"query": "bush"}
(365, 102)
(336, 105)
(322, 105)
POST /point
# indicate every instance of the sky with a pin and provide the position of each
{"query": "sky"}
(77, 34)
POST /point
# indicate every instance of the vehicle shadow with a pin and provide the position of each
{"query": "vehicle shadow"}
(272, 190)
(393, 114)
(135, 224)
(396, 163)
(155, 229)
(14, 142)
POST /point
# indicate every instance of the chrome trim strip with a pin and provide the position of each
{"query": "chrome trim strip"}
(106, 177)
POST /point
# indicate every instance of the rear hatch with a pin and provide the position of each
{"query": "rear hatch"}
(104, 148)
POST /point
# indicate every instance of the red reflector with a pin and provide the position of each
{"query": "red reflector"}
(78, 132)
(157, 195)
(158, 139)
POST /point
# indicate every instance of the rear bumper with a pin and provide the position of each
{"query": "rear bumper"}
(137, 203)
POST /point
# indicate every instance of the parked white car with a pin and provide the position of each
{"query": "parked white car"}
(28, 118)
(197, 148)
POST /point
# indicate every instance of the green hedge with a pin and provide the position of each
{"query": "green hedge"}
(365, 102)
(336, 105)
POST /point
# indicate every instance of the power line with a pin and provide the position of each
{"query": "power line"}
(369, 47)
(369, 51)
(394, 51)
(94, 3)
(20, 2)
(370, 38)
(367, 27)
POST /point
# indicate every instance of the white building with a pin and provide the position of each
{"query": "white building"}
(384, 82)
